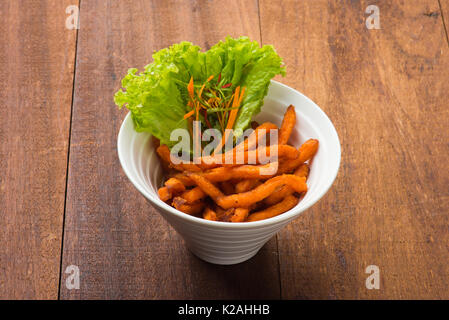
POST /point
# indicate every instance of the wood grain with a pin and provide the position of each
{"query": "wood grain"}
(37, 55)
(387, 93)
(444, 7)
(123, 248)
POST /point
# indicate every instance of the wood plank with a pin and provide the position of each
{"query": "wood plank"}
(387, 93)
(123, 248)
(37, 55)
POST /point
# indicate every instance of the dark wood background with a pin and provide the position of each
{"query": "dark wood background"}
(64, 199)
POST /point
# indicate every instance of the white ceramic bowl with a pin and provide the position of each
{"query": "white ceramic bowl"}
(225, 242)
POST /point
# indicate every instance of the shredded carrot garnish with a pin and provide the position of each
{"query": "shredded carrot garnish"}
(241, 96)
(201, 90)
(215, 95)
(189, 114)
(190, 88)
(237, 99)
(235, 104)
(197, 110)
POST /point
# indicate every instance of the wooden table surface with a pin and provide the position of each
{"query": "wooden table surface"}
(64, 199)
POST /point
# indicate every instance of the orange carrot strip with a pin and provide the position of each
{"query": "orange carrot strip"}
(241, 96)
(189, 114)
(201, 90)
(231, 120)
(234, 112)
(190, 87)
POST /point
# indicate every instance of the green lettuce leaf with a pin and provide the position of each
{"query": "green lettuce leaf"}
(248, 65)
(157, 97)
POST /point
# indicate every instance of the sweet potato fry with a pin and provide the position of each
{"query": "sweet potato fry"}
(306, 152)
(251, 142)
(214, 175)
(239, 215)
(207, 186)
(220, 174)
(226, 215)
(182, 205)
(302, 171)
(246, 199)
(184, 179)
(193, 195)
(263, 172)
(287, 125)
(175, 185)
(281, 207)
(278, 195)
(172, 187)
(164, 194)
(246, 185)
(284, 191)
(164, 153)
(222, 214)
(239, 158)
(210, 214)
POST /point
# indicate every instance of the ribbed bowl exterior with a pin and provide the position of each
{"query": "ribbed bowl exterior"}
(222, 246)
(224, 242)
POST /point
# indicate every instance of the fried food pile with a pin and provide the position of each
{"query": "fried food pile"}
(220, 189)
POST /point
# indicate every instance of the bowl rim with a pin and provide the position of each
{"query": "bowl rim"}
(284, 217)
